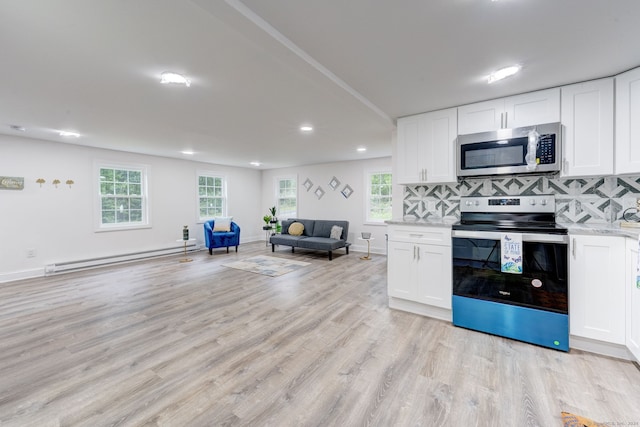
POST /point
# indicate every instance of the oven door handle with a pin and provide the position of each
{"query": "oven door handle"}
(526, 237)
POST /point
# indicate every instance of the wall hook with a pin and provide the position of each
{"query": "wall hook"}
(69, 182)
(40, 181)
(56, 182)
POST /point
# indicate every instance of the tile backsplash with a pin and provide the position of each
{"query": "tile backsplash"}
(578, 200)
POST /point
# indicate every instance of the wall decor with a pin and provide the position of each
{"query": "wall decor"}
(69, 182)
(307, 184)
(11, 183)
(334, 183)
(347, 191)
(40, 181)
(319, 192)
(55, 182)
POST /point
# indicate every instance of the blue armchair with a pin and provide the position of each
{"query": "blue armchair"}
(221, 239)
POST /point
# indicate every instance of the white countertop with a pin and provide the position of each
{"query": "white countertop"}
(593, 229)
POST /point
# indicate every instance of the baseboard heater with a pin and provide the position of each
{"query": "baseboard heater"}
(68, 266)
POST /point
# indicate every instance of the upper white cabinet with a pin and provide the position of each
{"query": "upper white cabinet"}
(426, 147)
(521, 110)
(587, 116)
(597, 288)
(627, 123)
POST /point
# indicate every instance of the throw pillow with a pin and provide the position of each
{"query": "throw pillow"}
(296, 229)
(336, 232)
(222, 224)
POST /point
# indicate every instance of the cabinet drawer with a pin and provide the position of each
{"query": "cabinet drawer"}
(427, 235)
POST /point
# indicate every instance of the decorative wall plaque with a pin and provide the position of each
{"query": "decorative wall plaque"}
(11, 183)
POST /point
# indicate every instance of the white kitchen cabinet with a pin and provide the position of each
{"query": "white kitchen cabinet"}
(633, 300)
(419, 265)
(528, 109)
(426, 147)
(587, 116)
(627, 123)
(597, 288)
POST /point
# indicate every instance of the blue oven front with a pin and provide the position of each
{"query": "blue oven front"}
(530, 307)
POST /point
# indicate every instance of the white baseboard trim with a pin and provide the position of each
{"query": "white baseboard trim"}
(21, 275)
(600, 347)
(421, 309)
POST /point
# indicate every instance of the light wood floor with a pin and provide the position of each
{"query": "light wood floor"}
(198, 344)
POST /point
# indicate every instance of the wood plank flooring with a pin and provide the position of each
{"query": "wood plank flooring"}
(198, 344)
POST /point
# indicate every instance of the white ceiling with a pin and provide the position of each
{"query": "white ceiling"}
(260, 69)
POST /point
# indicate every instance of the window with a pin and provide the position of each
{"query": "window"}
(122, 196)
(212, 196)
(287, 195)
(378, 196)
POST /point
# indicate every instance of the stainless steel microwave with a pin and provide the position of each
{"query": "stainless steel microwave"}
(530, 149)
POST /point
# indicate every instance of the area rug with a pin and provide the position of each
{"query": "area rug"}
(267, 265)
(570, 420)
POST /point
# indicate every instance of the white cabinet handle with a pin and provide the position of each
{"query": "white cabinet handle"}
(414, 252)
(573, 248)
(418, 252)
(418, 236)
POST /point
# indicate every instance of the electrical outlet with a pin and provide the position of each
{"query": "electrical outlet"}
(31, 253)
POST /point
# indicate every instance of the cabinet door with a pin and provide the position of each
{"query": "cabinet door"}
(532, 108)
(627, 123)
(596, 288)
(480, 117)
(587, 116)
(434, 275)
(402, 281)
(411, 150)
(440, 142)
(633, 300)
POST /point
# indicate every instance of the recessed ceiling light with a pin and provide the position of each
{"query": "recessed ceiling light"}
(361, 149)
(67, 133)
(174, 78)
(18, 128)
(188, 152)
(306, 128)
(503, 73)
(255, 163)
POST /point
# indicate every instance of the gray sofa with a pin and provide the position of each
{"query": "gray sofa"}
(315, 236)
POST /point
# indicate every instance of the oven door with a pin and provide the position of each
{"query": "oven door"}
(543, 284)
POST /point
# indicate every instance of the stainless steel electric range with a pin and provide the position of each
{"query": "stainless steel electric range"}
(510, 269)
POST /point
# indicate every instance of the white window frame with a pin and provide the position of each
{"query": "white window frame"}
(279, 213)
(215, 175)
(367, 196)
(144, 193)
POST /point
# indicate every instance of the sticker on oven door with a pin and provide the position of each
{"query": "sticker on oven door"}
(536, 283)
(511, 253)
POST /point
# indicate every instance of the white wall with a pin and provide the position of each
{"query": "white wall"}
(333, 205)
(59, 223)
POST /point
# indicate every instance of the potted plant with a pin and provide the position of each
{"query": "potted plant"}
(272, 210)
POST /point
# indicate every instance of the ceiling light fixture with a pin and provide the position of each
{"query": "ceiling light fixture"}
(306, 128)
(174, 78)
(503, 73)
(188, 152)
(361, 149)
(255, 163)
(67, 133)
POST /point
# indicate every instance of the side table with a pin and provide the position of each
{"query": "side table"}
(368, 257)
(185, 259)
(267, 232)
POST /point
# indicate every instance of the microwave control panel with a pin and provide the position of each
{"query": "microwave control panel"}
(546, 151)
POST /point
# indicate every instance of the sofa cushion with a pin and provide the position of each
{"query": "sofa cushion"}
(320, 243)
(323, 227)
(336, 232)
(286, 239)
(296, 229)
(222, 224)
(309, 225)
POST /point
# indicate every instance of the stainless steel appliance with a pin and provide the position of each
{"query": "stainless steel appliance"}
(531, 306)
(531, 149)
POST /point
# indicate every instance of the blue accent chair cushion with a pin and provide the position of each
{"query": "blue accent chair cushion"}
(221, 239)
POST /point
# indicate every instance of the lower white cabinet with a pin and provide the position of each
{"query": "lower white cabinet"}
(597, 288)
(419, 265)
(633, 300)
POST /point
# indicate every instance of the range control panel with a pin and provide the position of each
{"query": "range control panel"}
(523, 204)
